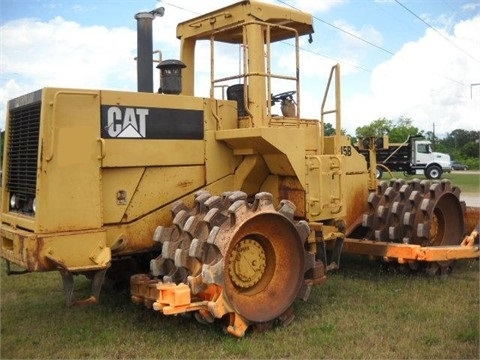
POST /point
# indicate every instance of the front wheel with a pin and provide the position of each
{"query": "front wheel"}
(244, 262)
(433, 172)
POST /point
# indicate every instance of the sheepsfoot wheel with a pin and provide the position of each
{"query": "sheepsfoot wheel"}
(426, 213)
(242, 262)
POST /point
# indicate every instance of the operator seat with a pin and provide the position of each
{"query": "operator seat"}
(236, 92)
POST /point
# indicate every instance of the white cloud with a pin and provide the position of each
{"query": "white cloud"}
(59, 52)
(62, 53)
(367, 32)
(471, 6)
(428, 80)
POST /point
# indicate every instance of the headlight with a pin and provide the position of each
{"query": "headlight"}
(13, 202)
(26, 205)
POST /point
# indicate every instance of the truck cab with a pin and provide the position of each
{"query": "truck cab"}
(424, 159)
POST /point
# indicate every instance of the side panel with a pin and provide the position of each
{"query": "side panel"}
(219, 158)
(325, 197)
(69, 173)
(130, 193)
(153, 153)
(132, 153)
(353, 180)
(356, 184)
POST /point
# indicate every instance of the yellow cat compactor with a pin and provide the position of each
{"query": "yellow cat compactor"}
(221, 205)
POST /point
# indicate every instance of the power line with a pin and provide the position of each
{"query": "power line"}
(178, 7)
(342, 30)
(328, 57)
(355, 36)
(438, 32)
(405, 25)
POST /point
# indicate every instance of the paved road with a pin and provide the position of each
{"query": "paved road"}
(466, 172)
(471, 199)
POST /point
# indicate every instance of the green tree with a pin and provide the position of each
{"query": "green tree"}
(402, 129)
(376, 128)
(328, 129)
(462, 145)
(471, 149)
(397, 131)
(458, 138)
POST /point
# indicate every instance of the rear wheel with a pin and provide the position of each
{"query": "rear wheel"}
(433, 172)
(418, 212)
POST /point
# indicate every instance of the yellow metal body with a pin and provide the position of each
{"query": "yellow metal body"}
(98, 198)
(95, 196)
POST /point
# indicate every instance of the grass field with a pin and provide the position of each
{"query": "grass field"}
(365, 310)
(468, 182)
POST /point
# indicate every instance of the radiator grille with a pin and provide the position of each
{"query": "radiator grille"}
(24, 126)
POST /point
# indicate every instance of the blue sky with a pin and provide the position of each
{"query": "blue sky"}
(416, 59)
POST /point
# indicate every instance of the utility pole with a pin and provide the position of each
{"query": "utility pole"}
(433, 137)
(471, 89)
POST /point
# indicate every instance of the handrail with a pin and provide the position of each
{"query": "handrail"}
(101, 141)
(337, 110)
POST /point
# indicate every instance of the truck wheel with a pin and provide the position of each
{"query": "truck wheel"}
(379, 173)
(433, 172)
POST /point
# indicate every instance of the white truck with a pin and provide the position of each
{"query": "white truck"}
(414, 156)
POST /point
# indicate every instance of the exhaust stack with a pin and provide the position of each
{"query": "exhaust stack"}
(145, 49)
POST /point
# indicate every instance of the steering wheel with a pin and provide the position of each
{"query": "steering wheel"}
(282, 96)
